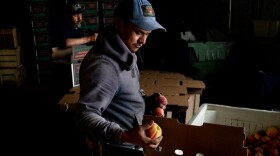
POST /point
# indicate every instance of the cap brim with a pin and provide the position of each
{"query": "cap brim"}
(78, 11)
(148, 24)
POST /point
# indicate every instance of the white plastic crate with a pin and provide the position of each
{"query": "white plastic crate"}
(251, 120)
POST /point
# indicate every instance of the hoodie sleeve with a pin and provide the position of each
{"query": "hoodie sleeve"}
(99, 83)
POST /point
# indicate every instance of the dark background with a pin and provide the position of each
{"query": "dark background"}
(32, 123)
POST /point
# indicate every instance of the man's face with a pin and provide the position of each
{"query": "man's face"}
(133, 37)
(77, 19)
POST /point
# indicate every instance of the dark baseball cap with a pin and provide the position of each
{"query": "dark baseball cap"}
(75, 7)
(138, 12)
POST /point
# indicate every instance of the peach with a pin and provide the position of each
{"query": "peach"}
(273, 152)
(258, 135)
(258, 154)
(159, 112)
(161, 101)
(265, 147)
(258, 150)
(272, 131)
(275, 143)
(251, 139)
(154, 131)
(266, 139)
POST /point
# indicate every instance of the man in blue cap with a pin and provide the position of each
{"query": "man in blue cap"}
(111, 106)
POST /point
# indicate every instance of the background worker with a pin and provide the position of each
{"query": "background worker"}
(73, 33)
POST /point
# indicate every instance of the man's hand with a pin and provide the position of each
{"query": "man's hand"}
(93, 37)
(156, 104)
(137, 136)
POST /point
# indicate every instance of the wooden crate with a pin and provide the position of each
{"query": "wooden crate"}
(9, 38)
(10, 57)
(11, 75)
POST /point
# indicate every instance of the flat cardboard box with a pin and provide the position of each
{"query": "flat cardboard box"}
(194, 86)
(170, 90)
(190, 140)
(149, 73)
(75, 90)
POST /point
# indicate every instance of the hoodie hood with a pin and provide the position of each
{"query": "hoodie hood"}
(110, 44)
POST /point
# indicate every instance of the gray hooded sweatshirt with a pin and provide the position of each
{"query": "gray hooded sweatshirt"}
(110, 98)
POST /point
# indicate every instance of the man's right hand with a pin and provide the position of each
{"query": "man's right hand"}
(137, 136)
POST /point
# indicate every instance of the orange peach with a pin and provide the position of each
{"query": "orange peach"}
(272, 131)
(258, 135)
(154, 132)
(266, 139)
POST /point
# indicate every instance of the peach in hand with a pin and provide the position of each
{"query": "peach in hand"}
(161, 101)
(159, 112)
(154, 131)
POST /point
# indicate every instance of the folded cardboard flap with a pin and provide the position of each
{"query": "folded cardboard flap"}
(75, 90)
(208, 139)
(68, 102)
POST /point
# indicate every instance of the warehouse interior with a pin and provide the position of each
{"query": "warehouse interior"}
(248, 77)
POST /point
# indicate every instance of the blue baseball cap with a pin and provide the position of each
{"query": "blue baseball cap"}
(138, 12)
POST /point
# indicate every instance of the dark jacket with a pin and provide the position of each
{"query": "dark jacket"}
(110, 99)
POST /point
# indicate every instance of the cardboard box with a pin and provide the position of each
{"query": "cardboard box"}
(266, 29)
(68, 102)
(274, 29)
(75, 90)
(10, 57)
(11, 75)
(180, 90)
(261, 28)
(9, 38)
(191, 140)
(251, 120)
(175, 88)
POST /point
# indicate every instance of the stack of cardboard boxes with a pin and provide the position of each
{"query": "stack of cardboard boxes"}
(183, 93)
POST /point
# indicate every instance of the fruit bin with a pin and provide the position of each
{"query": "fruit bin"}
(252, 120)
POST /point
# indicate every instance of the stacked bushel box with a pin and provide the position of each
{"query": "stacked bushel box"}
(10, 57)
(183, 93)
